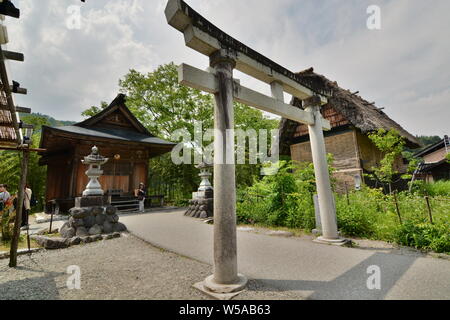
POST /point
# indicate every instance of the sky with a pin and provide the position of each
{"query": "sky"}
(404, 67)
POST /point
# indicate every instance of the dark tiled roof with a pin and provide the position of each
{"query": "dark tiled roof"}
(115, 134)
(430, 149)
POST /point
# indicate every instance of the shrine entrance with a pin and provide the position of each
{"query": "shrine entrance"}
(226, 54)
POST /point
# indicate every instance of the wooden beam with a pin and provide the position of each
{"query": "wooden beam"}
(9, 99)
(16, 56)
(23, 109)
(18, 90)
(20, 149)
(203, 36)
(205, 81)
(17, 109)
(25, 126)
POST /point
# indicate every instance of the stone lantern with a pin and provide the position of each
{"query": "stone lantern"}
(95, 161)
(202, 203)
(205, 186)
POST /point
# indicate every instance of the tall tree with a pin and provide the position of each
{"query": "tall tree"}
(391, 144)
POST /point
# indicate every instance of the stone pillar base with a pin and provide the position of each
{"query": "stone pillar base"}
(335, 242)
(228, 290)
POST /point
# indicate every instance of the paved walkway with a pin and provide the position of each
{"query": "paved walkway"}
(307, 269)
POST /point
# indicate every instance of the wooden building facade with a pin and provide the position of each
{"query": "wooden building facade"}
(435, 165)
(118, 135)
(352, 118)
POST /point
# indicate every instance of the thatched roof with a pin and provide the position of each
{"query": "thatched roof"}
(362, 114)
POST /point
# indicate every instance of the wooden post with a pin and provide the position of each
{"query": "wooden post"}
(18, 219)
(397, 208)
(51, 221)
(346, 193)
(427, 199)
(28, 238)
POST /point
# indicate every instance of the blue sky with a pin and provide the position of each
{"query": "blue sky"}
(404, 67)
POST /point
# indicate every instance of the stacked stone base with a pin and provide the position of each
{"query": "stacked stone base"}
(200, 208)
(92, 221)
(96, 222)
(51, 243)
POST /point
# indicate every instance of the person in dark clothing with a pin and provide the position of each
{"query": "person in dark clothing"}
(141, 193)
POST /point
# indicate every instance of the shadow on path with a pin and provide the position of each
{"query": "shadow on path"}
(352, 285)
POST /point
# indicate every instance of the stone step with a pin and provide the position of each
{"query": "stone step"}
(129, 201)
(126, 205)
(129, 210)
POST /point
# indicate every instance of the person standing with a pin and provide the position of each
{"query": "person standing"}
(4, 195)
(26, 205)
(142, 192)
(6, 213)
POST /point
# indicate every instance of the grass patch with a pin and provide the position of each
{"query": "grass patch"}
(6, 245)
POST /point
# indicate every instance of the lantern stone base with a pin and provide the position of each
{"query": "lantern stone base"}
(200, 208)
(92, 201)
(92, 221)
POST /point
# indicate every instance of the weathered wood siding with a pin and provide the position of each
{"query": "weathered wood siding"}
(343, 146)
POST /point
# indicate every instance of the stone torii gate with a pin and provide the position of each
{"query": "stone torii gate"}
(225, 54)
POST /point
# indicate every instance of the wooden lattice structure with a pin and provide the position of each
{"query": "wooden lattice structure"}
(11, 136)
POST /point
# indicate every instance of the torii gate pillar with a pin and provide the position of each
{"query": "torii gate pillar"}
(225, 278)
(325, 195)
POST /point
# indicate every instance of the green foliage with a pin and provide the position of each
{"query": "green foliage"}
(423, 235)
(413, 163)
(162, 104)
(92, 111)
(285, 200)
(356, 219)
(428, 140)
(10, 171)
(391, 144)
(45, 120)
(7, 216)
(438, 188)
(281, 200)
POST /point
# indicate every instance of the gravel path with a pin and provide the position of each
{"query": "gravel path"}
(124, 268)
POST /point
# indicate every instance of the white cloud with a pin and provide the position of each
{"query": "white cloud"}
(400, 67)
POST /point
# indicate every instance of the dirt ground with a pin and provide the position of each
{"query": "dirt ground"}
(125, 268)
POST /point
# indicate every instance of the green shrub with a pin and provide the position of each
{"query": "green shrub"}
(439, 188)
(285, 200)
(423, 235)
(354, 220)
(253, 210)
(181, 202)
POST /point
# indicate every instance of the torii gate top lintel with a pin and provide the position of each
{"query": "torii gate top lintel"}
(204, 37)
